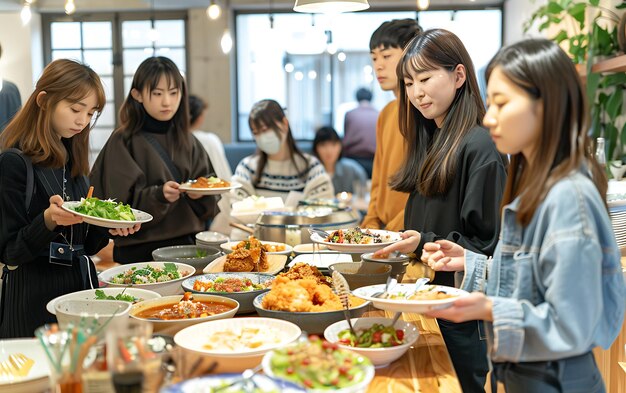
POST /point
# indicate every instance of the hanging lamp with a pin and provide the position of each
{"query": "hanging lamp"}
(330, 6)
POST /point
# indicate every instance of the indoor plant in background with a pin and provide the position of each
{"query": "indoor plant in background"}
(589, 32)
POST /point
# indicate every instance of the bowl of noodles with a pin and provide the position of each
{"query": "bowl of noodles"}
(311, 305)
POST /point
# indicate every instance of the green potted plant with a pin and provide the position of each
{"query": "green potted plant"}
(583, 31)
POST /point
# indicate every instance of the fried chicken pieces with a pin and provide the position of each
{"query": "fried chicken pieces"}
(303, 295)
(247, 260)
(303, 270)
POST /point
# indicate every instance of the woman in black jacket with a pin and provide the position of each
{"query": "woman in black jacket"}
(49, 246)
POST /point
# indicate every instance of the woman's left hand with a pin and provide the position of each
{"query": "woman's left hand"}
(125, 231)
(475, 306)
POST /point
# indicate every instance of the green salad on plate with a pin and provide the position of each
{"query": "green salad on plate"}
(108, 209)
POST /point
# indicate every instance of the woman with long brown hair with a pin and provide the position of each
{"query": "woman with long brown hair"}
(554, 289)
(52, 132)
(454, 174)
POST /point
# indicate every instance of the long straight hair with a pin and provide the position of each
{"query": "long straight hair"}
(432, 157)
(31, 128)
(147, 76)
(542, 69)
(269, 113)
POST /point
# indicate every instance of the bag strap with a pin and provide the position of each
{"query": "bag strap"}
(30, 182)
(164, 156)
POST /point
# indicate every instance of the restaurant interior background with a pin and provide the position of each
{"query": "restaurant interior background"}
(311, 63)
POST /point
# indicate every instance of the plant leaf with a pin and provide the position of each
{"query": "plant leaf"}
(554, 7)
(577, 11)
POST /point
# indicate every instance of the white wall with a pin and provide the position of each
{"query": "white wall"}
(210, 71)
(21, 61)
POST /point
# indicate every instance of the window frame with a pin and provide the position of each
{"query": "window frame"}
(116, 19)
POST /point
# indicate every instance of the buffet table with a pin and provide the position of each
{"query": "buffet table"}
(425, 368)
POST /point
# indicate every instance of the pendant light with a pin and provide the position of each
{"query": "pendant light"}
(214, 10)
(423, 4)
(330, 6)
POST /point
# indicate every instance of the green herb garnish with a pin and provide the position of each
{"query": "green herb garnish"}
(100, 295)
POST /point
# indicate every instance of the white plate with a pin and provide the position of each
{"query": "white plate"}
(209, 190)
(37, 378)
(403, 305)
(141, 217)
(228, 247)
(307, 248)
(205, 383)
(90, 294)
(321, 261)
(358, 248)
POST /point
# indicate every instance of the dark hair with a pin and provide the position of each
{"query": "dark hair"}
(433, 156)
(394, 33)
(542, 69)
(269, 113)
(148, 76)
(31, 128)
(196, 106)
(325, 134)
(364, 94)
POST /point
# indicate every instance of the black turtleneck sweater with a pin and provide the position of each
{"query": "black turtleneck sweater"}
(130, 170)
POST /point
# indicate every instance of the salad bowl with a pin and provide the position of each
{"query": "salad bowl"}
(169, 276)
(380, 356)
(132, 295)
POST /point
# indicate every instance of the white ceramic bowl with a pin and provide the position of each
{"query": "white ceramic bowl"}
(360, 387)
(165, 288)
(90, 294)
(195, 337)
(94, 314)
(211, 238)
(380, 357)
(173, 326)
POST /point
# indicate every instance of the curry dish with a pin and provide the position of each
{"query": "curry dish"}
(187, 308)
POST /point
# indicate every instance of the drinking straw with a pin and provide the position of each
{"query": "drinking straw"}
(107, 321)
(56, 366)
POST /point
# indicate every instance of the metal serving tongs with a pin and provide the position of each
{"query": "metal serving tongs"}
(342, 289)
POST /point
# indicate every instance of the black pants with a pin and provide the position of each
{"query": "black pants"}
(143, 252)
(467, 352)
(578, 374)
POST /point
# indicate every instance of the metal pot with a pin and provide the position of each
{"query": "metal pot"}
(290, 226)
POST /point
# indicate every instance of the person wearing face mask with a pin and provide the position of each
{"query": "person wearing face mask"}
(278, 168)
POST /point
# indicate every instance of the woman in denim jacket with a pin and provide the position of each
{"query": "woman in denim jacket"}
(554, 289)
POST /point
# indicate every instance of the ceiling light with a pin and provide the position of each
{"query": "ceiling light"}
(330, 6)
(70, 7)
(423, 4)
(25, 14)
(226, 42)
(214, 10)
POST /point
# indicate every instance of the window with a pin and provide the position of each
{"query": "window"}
(114, 45)
(313, 64)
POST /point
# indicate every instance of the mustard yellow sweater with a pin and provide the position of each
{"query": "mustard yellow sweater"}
(386, 208)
